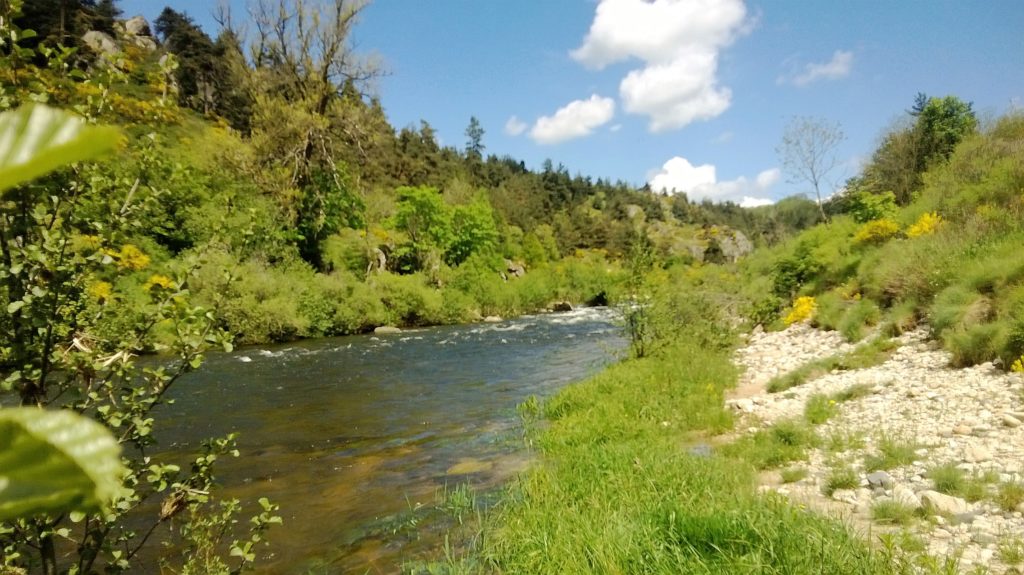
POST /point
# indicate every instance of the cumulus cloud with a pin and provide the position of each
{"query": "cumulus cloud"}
(576, 119)
(838, 67)
(678, 42)
(514, 126)
(701, 183)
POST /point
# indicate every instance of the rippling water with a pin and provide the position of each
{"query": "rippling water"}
(349, 435)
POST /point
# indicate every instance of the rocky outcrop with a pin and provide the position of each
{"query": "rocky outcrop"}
(102, 43)
(962, 419)
(136, 30)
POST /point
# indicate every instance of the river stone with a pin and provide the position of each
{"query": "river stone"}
(943, 504)
(880, 479)
(700, 450)
(386, 329)
(492, 319)
(977, 453)
(1010, 421)
(468, 466)
(906, 496)
(962, 430)
(845, 495)
(561, 306)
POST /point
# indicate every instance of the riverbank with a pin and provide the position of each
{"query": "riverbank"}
(909, 448)
(627, 480)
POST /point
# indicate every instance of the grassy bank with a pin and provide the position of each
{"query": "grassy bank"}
(625, 484)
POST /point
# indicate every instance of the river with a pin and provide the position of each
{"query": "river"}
(354, 436)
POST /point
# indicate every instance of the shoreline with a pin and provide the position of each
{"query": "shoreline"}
(960, 429)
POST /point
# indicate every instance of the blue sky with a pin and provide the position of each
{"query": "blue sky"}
(693, 94)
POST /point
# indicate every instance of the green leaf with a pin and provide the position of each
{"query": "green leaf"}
(37, 139)
(15, 306)
(55, 461)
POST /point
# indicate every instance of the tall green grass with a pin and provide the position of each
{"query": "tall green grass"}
(617, 490)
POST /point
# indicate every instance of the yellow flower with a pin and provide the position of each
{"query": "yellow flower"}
(132, 258)
(925, 225)
(99, 291)
(803, 308)
(1018, 366)
(876, 231)
(157, 280)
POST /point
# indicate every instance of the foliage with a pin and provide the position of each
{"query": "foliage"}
(925, 225)
(867, 207)
(55, 462)
(54, 357)
(877, 232)
(803, 309)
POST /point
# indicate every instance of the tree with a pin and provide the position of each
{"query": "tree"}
(475, 134)
(304, 63)
(808, 152)
(59, 264)
(934, 128)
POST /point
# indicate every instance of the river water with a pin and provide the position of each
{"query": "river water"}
(353, 436)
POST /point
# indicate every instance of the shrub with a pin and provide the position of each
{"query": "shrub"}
(802, 310)
(862, 314)
(975, 344)
(876, 232)
(831, 307)
(925, 225)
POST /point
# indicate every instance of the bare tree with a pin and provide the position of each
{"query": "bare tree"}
(808, 152)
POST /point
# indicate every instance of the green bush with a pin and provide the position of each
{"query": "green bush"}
(976, 344)
(860, 315)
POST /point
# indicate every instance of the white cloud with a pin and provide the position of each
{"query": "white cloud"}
(514, 126)
(749, 202)
(575, 120)
(701, 182)
(678, 42)
(838, 67)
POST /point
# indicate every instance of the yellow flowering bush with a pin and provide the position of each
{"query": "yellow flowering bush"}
(99, 291)
(803, 309)
(158, 280)
(876, 232)
(1018, 366)
(925, 225)
(130, 257)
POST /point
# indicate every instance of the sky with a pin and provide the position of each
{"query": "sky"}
(686, 95)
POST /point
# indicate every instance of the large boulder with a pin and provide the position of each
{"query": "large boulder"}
(101, 43)
(942, 504)
(136, 30)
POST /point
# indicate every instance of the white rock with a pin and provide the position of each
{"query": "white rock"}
(943, 504)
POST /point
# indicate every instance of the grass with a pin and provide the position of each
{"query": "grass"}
(840, 477)
(1011, 550)
(892, 452)
(794, 474)
(840, 440)
(951, 480)
(819, 409)
(892, 512)
(868, 354)
(782, 443)
(1009, 495)
(855, 391)
(615, 493)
